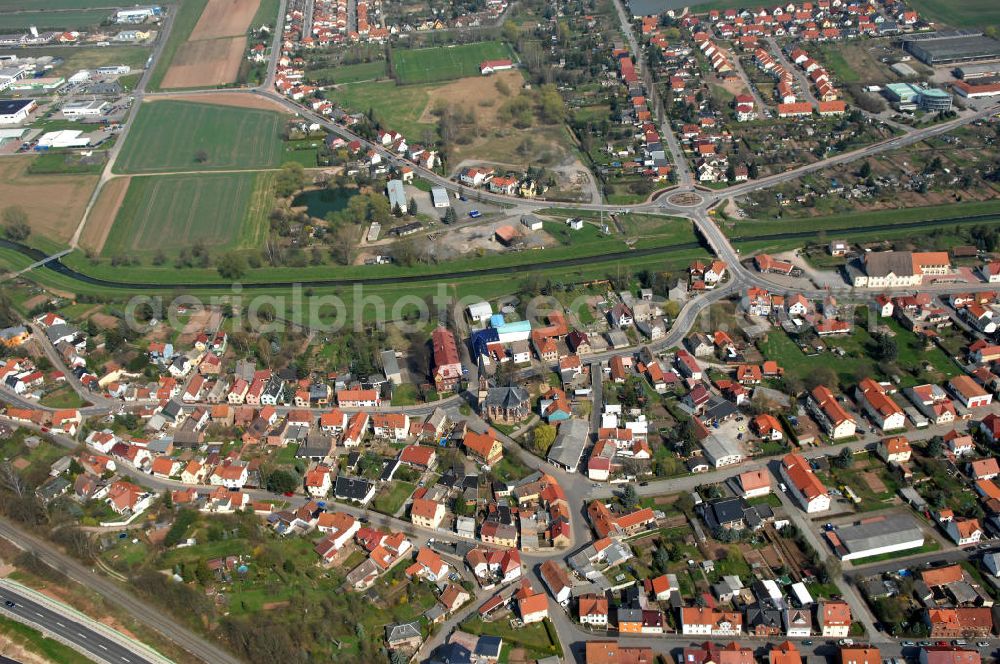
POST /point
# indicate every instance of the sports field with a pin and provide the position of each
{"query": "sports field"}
(171, 135)
(445, 63)
(169, 212)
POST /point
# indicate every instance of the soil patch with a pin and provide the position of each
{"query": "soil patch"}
(874, 482)
(54, 204)
(33, 302)
(224, 18)
(476, 92)
(206, 63)
(102, 215)
(104, 321)
(238, 99)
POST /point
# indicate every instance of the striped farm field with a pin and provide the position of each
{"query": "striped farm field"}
(222, 211)
(445, 63)
(170, 136)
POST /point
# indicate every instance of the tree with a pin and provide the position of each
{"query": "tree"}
(865, 170)
(290, 179)
(885, 348)
(450, 216)
(16, 226)
(542, 438)
(935, 447)
(281, 481)
(630, 497)
(844, 459)
(231, 266)
(411, 207)
(201, 156)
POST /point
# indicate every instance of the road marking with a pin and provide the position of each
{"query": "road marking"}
(103, 647)
(60, 624)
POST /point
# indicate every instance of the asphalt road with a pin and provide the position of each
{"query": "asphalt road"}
(68, 627)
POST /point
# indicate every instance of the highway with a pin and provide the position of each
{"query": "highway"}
(151, 616)
(72, 628)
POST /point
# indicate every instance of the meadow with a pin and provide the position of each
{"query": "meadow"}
(171, 135)
(341, 74)
(395, 106)
(445, 63)
(221, 211)
(49, 20)
(27, 5)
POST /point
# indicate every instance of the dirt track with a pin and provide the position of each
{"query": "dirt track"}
(224, 18)
(206, 63)
(102, 215)
(478, 93)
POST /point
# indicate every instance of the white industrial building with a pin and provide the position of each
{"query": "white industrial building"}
(67, 138)
(113, 70)
(14, 111)
(136, 14)
(93, 108)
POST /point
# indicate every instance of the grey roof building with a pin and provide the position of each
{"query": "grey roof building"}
(569, 444)
(896, 532)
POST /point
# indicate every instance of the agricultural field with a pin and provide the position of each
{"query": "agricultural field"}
(81, 19)
(54, 204)
(213, 51)
(965, 14)
(174, 136)
(445, 63)
(170, 212)
(186, 16)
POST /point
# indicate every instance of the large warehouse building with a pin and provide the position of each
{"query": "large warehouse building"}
(941, 48)
(897, 532)
(13, 111)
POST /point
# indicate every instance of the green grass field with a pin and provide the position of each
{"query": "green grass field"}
(185, 18)
(364, 71)
(169, 212)
(168, 135)
(395, 106)
(27, 5)
(48, 20)
(964, 14)
(445, 63)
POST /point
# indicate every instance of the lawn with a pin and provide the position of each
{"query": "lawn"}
(445, 63)
(779, 347)
(48, 20)
(183, 136)
(404, 395)
(395, 106)
(33, 641)
(286, 455)
(50, 163)
(968, 13)
(389, 501)
(185, 18)
(536, 638)
(363, 71)
(62, 397)
(170, 212)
